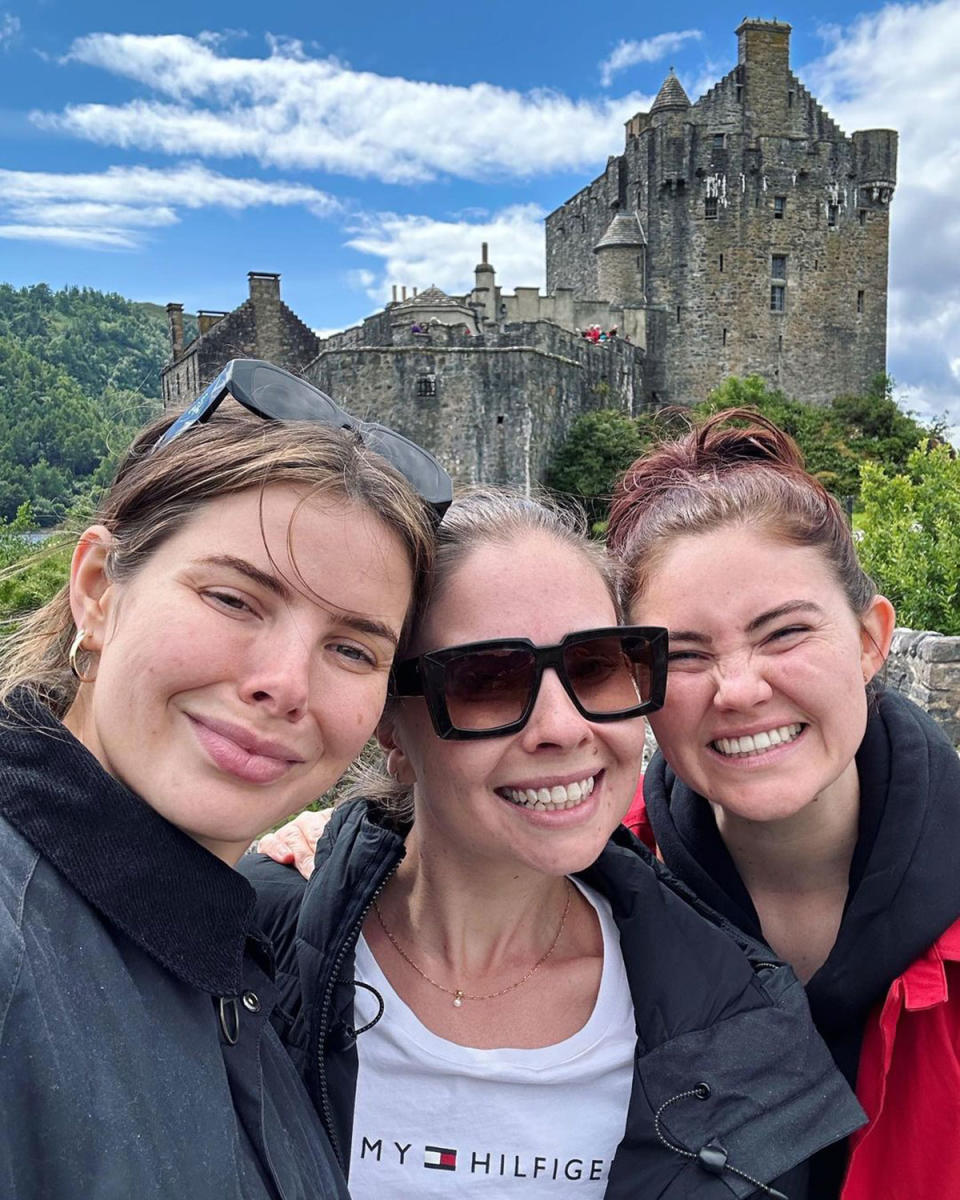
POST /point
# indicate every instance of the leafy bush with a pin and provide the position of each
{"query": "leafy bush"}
(834, 438)
(910, 530)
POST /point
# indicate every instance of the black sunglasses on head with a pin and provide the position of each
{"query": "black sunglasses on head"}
(275, 394)
(489, 689)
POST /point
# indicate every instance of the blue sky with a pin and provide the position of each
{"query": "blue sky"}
(162, 151)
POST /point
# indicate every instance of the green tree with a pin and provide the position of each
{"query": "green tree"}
(601, 444)
(910, 530)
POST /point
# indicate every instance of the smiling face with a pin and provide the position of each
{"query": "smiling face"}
(766, 704)
(544, 799)
(225, 694)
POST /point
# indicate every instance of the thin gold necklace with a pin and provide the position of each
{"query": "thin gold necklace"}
(458, 994)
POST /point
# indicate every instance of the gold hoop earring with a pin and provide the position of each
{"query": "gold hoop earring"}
(75, 648)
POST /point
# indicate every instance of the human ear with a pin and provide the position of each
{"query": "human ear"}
(91, 593)
(398, 765)
(876, 632)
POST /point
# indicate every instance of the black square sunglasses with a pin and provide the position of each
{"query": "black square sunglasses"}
(489, 689)
(275, 394)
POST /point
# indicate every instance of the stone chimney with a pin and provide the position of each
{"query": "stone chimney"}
(207, 318)
(175, 323)
(265, 299)
(763, 71)
(484, 296)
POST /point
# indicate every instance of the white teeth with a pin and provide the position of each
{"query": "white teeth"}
(551, 799)
(758, 743)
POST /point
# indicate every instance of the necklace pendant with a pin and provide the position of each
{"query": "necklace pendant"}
(458, 999)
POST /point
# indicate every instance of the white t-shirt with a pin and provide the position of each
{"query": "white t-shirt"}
(436, 1119)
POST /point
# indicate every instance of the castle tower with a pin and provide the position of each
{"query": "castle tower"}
(766, 231)
(620, 261)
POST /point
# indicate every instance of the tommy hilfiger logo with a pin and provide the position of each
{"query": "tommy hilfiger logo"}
(540, 1167)
(440, 1158)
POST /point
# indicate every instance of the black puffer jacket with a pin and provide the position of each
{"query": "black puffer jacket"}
(732, 1086)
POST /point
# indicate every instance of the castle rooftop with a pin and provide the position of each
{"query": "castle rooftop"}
(671, 95)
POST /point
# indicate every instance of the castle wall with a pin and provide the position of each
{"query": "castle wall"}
(502, 401)
(704, 182)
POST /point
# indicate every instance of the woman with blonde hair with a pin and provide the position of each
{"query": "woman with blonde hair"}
(220, 654)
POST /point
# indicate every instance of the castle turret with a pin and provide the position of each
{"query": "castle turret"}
(671, 97)
(620, 261)
(484, 297)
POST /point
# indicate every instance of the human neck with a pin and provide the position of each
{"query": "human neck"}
(474, 923)
(807, 853)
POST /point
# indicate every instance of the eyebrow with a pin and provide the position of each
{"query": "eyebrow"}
(276, 585)
(774, 614)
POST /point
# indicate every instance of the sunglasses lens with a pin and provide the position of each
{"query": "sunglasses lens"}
(609, 674)
(485, 689)
(290, 399)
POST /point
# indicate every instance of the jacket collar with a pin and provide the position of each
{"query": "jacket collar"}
(182, 905)
(904, 887)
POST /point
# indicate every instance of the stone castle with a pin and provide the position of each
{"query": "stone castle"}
(742, 234)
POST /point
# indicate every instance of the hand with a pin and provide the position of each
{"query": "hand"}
(295, 843)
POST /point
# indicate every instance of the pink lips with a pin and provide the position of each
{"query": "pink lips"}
(238, 752)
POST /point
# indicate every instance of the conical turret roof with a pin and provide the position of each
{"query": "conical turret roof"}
(671, 95)
(623, 230)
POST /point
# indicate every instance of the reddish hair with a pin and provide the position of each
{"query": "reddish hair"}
(735, 467)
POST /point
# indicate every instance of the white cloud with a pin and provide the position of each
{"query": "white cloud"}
(628, 54)
(289, 110)
(110, 210)
(9, 30)
(897, 68)
(419, 251)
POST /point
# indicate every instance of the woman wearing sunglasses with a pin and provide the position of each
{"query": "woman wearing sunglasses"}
(492, 990)
(811, 807)
(219, 656)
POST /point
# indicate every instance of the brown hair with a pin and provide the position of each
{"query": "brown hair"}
(154, 494)
(483, 517)
(735, 466)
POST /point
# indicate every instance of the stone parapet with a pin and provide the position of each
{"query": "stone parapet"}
(925, 667)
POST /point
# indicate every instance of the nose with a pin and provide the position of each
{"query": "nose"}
(277, 676)
(555, 720)
(740, 683)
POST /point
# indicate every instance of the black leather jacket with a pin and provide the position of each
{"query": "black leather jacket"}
(733, 1088)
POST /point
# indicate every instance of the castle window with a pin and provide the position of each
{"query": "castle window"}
(779, 206)
(500, 418)
(778, 297)
(724, 337)
(739, 95)
(721, 262)
(860, 301)
(718, 140)
(780, 343)
(833, 212)
(711, 207)
(862, 216)
(778, 266)
(678, 314)
(790, 99)
(427, 385)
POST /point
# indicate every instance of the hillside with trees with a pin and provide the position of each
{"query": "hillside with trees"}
(79, 372)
